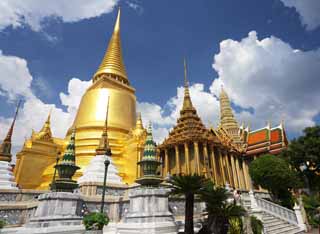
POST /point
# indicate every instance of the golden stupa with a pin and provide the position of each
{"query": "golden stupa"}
(126, 138)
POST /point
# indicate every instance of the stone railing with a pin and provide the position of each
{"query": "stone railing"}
(278, 211)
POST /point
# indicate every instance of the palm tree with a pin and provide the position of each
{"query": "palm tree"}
(220, 212)
(188, 186)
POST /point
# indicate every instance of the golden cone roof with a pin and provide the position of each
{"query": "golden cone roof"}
(112, 62)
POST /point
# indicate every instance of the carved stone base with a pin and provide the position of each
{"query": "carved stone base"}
(148, 213)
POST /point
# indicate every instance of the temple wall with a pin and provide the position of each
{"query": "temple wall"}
(16, 208)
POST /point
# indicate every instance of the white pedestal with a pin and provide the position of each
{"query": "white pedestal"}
(7, 180)
(94, 172)
(148, 213)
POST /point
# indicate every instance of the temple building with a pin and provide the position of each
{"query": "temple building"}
(221, 153)
(126, 134)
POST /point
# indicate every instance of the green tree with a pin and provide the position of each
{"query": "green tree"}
(221, 214)
(303, 154)
(274, 174)
(188, 186)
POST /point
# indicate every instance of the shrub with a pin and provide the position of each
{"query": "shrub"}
(2, 223)
(235, 226)
(95, 221)
(256, 225)
(312, 207)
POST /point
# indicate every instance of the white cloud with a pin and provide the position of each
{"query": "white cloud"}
(15, 78)
(15, 13)
(271, 77)
(16, 82)
(76, 89)
(308, 11)
(135, 5)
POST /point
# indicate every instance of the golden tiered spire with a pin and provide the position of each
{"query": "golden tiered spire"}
(139, 123)
(187, 103)
(189, 125)
(45, 132)
(104, 141)
(227, 119)
(112, 63)
(5, 147)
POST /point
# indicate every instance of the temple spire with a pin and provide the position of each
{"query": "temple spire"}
(112, 64)
(139, 124)
(227, 119)
(5, 147)
(149, 163)
(187, 103)
(103, 146)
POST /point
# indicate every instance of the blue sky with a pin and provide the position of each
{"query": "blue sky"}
(250, 39)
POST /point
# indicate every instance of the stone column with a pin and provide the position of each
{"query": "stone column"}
(213, 165)
(178, 170)
(300, 219)
(138, 160)
(186, 155)
(166, 162)
(226, 158)
(234, 173)
(224, 180)
(240, 175)
(206, 162)
(196, 154)
(246, 175)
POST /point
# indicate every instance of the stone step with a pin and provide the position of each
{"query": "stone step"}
(278, 227)
(286, 230)
(271, 224)
(271, 220)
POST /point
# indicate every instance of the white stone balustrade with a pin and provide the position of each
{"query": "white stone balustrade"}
(277, 210)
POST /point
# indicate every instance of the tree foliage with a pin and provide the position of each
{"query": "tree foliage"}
(303, 154)
(188, 186)
(221, 214)
(275, 175)
(95, 221)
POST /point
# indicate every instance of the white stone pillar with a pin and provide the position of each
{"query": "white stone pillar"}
(297, 211)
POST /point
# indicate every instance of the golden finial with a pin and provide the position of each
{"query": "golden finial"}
(187, 104)
(112, 63)
(186, 84)
(117, 24)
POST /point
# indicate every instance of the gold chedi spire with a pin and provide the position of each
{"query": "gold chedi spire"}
(187, 103)
(45, 132)
(112, 64)
(139, 124)
(103, 146)
(5, 147)
(227, 119)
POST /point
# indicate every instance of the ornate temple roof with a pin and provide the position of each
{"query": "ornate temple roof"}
(266, 140)
(5, 146)
(189, 126)
(112, 62)
(149, 152)
(69, 157)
